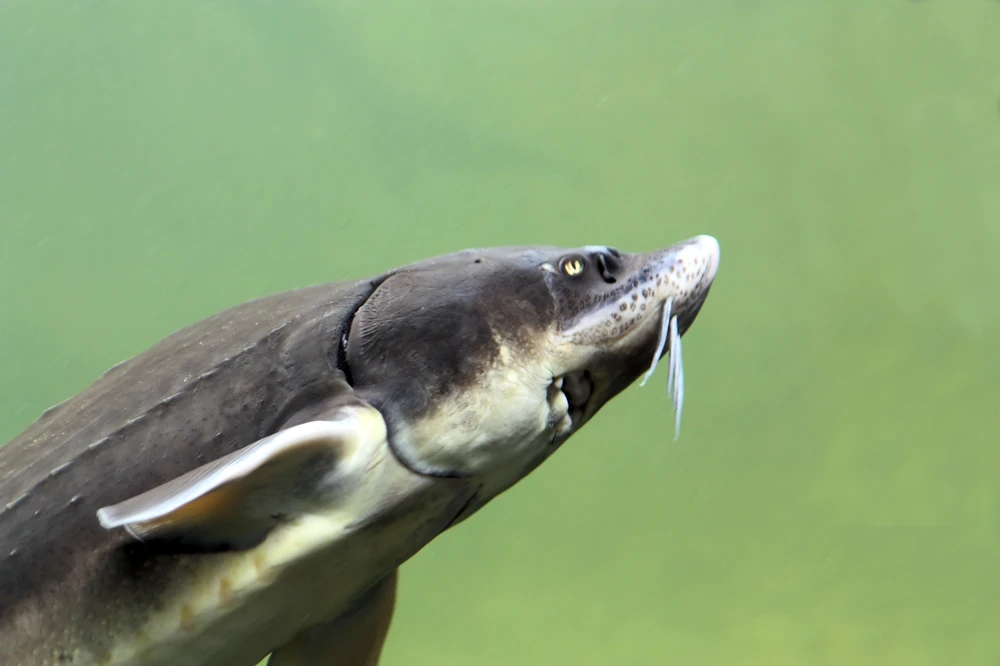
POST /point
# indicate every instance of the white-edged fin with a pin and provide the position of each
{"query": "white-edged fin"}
(233, 502)
(675, 377)
(661, 341)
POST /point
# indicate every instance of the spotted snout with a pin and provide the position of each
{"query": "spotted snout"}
(681, 274)
(684, 274)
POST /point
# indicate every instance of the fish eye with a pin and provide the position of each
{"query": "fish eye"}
(572, 266)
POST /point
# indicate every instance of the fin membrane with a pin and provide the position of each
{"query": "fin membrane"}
(233, 502)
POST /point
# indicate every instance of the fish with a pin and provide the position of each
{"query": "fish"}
(251, 484)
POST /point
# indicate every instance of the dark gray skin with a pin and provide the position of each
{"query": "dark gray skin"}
(199, 394)
(429, 346)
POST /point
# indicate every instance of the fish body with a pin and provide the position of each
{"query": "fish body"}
(251, 484)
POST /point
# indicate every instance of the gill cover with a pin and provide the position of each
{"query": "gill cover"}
(441, 344)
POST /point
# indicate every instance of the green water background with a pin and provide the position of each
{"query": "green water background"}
(833, 498)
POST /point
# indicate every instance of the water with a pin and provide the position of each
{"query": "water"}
(833, 496)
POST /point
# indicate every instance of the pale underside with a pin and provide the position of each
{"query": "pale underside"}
(235, 607)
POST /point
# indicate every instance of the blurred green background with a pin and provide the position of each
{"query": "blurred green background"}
(833, 497)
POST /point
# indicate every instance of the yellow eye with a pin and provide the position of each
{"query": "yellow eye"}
(572, 267)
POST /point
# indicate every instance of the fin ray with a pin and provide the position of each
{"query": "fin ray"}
(236, 500)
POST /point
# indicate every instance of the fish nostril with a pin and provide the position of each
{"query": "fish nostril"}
(602, 268)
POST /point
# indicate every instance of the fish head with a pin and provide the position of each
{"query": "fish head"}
(484, 362)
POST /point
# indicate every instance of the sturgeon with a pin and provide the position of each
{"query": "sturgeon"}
(251, 484)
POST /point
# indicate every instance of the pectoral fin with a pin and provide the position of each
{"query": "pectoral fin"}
(234, 501)
(353, 639)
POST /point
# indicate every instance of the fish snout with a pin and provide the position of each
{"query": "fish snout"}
(684, 275)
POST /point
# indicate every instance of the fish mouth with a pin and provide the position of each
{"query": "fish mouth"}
(569, 397)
